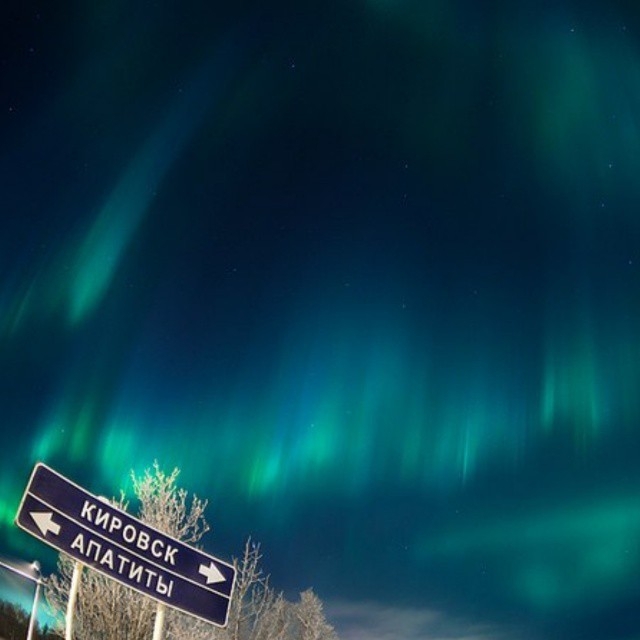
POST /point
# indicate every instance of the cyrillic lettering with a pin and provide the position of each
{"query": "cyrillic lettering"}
(129, 533)
(123, 561)
(92, 544)
(135, 572)
(157, 553)
(87, 511)
(78, 543)
(116, 524)
(143, 541)
(127, 567)
(107, 559)
(150, 576)
(164, 589)
(102, 518)
(170, 553)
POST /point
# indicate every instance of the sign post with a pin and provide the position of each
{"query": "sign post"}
(71, 603)
(109, 540)
(159, 622)
(34, 576)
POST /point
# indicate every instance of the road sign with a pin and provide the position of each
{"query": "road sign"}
(109, 540)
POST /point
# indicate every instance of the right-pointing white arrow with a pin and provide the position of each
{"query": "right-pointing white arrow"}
(44, 522)
(211, 572)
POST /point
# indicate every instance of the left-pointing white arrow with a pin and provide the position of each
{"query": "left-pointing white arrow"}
(211, 572)
(44, 522)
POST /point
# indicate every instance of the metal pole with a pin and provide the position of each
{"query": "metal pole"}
(34, 608)
(34, 578)
(159, 623)
(73, 593)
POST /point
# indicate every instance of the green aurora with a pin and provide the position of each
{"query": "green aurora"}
(366, 272)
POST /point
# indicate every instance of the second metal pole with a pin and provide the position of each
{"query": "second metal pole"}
(73, 594)
(34, 610)
(159, 623)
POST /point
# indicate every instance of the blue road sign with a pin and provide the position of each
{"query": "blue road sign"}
(107, 539)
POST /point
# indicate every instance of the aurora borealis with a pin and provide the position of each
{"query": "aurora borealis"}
(367, 271)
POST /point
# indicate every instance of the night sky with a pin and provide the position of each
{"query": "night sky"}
(366, 271)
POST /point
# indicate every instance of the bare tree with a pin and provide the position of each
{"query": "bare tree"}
(311, 622)
(257, 611)
(260, 613)
(164, 506)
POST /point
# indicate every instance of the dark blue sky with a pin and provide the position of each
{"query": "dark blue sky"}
(366, 272)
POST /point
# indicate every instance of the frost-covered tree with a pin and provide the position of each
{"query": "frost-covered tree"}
(261, 613)
(257, 612)
(310, 619)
